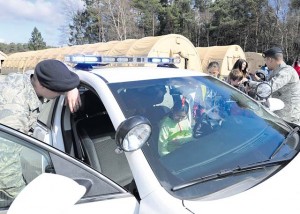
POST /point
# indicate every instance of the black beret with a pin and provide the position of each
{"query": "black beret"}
(272, 52)
(55, 76)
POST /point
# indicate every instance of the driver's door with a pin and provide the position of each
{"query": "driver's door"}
(23, 158)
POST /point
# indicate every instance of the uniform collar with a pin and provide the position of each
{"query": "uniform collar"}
(279, 67)
(34, 102)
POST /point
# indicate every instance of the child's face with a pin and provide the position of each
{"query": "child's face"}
(179, 116)
(214, 72)
(235, 83)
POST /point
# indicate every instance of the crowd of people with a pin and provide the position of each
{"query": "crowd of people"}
(283, 79)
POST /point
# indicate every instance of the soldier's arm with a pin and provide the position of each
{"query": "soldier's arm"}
(280, 80)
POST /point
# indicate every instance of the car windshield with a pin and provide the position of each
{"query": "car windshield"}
(201, 126)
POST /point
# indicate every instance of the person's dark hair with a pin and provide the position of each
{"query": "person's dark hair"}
(239, 64)
(274, 52)
(181, 105)
(213, 64)
(235, 74)
(278, 56)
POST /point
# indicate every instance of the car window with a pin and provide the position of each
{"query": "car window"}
(213, 127)
(23, 158)
(46, 113)
(19, 165)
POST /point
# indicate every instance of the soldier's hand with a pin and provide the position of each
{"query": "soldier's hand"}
(73, 100)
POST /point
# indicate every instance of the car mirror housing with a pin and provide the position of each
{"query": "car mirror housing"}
(263, 90)
(133, 133)
(48, 193)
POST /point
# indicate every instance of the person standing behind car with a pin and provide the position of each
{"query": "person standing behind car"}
(20, 101)
(285, 84)
(296, 66)
(213, 69)
(235, 77)
(242, 65)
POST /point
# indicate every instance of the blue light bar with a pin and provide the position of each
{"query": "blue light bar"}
(91, 59)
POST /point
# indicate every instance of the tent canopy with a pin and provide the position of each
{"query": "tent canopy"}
(226, 56)
(172, 45)
(255, 60)
(3, 56)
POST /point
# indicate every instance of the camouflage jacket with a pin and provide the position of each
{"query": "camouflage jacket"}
(19, 104)
(19, 108)
(286, 86)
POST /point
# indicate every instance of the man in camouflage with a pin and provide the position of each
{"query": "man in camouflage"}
(285, 84)
(20, 100)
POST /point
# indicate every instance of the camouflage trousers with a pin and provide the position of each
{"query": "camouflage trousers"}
(11, 176)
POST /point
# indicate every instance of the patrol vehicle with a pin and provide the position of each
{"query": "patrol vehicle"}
(241, 156)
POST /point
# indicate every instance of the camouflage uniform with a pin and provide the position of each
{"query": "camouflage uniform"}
(19, 108)
(286, 87)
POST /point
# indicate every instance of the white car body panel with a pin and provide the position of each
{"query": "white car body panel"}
(279, 194)
(126, 205)
(120, 74)
(54, 193)
(281, 189)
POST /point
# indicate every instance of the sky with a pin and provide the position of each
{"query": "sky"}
(19, 17)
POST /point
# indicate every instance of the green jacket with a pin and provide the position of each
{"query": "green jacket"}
(172, 135)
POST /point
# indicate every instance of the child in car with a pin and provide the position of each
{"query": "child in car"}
(175, 129)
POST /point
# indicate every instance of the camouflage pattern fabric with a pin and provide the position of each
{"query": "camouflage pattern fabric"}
(11, 178)
(286, 87)
(19, 107)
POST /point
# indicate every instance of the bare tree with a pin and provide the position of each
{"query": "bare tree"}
(69, 9)
(120, 14)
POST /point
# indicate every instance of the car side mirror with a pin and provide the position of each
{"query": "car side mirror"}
(133, 133)
(263, 90)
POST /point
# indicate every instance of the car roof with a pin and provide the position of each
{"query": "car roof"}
(126, 74)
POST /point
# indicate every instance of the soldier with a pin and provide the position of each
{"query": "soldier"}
(285, 84)
(20, 100)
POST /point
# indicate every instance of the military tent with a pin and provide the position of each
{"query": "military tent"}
(226, 56)
(172, 45)
(255, 60)
(3, 56)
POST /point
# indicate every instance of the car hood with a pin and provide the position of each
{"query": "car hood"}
(278, 194)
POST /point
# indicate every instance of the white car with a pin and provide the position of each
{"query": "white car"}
(240, 158)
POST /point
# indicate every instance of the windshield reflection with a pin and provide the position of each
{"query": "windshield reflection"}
(200, 126)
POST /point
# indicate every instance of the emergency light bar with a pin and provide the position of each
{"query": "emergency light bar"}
(91, 59)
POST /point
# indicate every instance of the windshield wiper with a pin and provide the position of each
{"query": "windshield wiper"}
(291, 133)
(227, 172)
